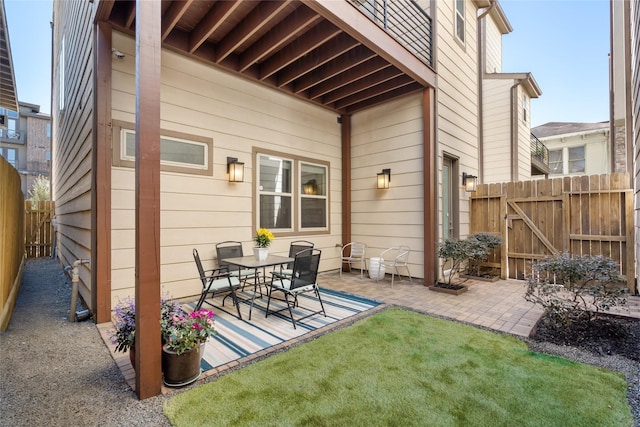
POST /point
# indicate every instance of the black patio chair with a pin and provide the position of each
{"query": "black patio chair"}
(303, 280)
(216, 282)
(295, 247)
(233, 249)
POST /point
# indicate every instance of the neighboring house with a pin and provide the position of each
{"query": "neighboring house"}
(323, 92)
(576, 148)
(8, 93)
(506, 150)
(25, 142)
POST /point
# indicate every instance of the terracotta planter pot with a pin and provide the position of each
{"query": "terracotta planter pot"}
(183, 369)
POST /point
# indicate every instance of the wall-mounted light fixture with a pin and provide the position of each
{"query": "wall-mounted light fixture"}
(235, 169)
(384, 178)
(469, 182)
(310, 187)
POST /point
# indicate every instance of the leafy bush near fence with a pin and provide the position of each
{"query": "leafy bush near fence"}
(578, 287)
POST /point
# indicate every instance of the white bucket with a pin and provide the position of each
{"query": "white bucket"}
(374, 264)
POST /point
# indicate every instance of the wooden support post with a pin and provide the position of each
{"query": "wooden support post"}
(101, 179)
(147, 217)
(346, 179)
(429, 185)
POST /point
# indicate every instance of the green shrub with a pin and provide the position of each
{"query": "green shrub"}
(478, 247)
(453, 253)
(578, 287)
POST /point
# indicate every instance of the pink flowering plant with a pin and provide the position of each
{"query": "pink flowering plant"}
(190, 330)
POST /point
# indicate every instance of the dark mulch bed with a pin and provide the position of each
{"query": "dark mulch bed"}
(607, 335)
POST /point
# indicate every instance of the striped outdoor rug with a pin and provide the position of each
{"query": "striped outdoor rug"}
(239, 338)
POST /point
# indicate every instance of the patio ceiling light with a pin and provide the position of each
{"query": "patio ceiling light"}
(235, 169)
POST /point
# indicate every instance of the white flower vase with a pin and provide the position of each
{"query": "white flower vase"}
(261, 253)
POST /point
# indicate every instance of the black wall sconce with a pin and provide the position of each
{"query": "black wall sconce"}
(235, 169)
(469, 182)
(384, 178)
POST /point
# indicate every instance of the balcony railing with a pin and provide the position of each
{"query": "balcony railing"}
(405, 21)
(539, 151)
(15, 136)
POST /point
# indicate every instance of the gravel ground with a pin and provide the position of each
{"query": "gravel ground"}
(57, 373)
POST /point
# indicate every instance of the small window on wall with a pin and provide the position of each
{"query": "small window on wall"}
(178, 152)
(275, 192)
(459, 20)
(525, 108)
(11, 155)
(61, 76)
(555, 162)
(292, 194)
(576, 159)
(313, 197)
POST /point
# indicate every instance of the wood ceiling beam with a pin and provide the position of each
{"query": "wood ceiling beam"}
(330, 51)
(173, 15)
(358, 72)
(289, 29)
(104, 10)
(216, 16)
(341, 64)
(374, 91)
(251, 24)
(313, 39)
(362, 84)
(353, 22)
(385, 97)
(130, 15)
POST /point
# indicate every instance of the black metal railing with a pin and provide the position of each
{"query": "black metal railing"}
(539, 151)
(405, 20)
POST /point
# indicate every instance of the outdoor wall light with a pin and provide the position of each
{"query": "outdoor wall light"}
(469, 182)
(235, 169)
(384, 178)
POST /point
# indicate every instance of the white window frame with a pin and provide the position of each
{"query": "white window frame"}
(203, 166)
(61, 88)
(302, 195)
(583, 159)
(459, 24)
(260, 192)
(296, 194)
(561, 163)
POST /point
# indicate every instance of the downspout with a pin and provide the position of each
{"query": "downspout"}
(612, 127)
(482, 59)
(514, 131)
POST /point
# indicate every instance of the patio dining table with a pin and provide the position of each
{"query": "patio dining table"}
(251, 262)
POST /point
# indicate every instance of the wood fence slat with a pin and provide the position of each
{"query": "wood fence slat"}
(582, 215)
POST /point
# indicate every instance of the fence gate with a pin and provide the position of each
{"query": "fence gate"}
(38, 232)
(586, 215)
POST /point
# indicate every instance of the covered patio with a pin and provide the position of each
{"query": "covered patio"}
(498, 306)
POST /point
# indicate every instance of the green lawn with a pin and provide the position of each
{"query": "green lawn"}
(400, 368)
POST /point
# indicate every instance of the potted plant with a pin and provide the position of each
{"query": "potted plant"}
(124, 333)
(453, 253)
(262, 239)
(478, 248)
(182, 353)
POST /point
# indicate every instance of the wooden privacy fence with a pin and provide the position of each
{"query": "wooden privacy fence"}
(11, 240)
(582, 215)
(38, 233)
